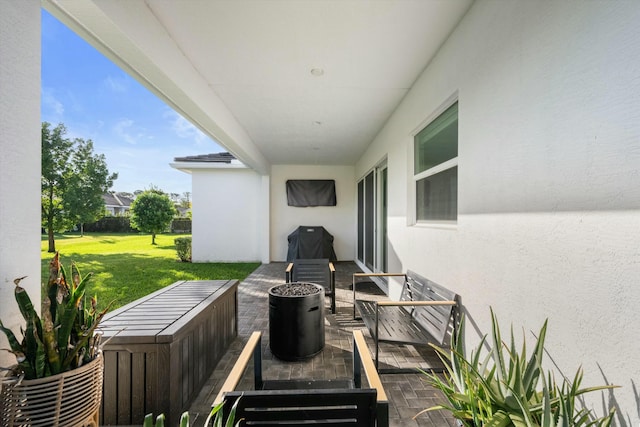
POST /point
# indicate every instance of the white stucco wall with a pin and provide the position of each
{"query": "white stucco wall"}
(229, 207)
(20, 160)
(339, 220)
(549, 181)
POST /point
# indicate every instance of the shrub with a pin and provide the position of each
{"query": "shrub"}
(183, 247)
(110, 224)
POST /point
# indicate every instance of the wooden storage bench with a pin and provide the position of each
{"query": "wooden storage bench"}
(162, 349)
(426, 313)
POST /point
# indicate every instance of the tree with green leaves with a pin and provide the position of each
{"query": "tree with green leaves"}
(152, 212)
(74, 179)
(185, 200)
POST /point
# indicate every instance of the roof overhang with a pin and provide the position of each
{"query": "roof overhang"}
(274, 81)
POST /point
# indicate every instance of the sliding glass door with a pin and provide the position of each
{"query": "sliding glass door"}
(372, 219)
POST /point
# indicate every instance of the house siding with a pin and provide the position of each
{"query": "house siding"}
(227, 210)
(549, 165)
(20, 160)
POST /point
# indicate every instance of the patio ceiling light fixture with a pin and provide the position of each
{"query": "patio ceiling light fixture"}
(317, 72)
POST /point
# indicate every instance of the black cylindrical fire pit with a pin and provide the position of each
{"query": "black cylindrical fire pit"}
(296, 320)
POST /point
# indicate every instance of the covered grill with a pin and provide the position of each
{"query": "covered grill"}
(310, 242)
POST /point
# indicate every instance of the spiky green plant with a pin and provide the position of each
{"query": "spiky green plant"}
(216, 415)
(64, 337)
(503, 387)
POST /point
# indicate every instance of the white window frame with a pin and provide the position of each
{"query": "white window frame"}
(414, 178)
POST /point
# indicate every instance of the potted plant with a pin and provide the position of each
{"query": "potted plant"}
(502, 387)
(58, 358)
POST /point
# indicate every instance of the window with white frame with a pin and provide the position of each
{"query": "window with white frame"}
(435, 152)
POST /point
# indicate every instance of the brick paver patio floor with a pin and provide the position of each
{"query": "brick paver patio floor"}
(408, 393)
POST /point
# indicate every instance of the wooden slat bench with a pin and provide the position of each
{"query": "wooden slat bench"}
(296, 402)
(426, 313)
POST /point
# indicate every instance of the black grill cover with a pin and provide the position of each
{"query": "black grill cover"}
(310, 242)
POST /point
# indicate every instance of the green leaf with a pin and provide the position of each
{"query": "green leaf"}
(71, 310)
(49, 339)
(184, 419)
(160, 420)
(499, 419)
(40, 364)
(148, 421)
(232, 414)
(532, 372)
(24, 302)
(13, 341)
(519, 421)
(498, 357)
(83, 340)
(547, 417)
(214, 415)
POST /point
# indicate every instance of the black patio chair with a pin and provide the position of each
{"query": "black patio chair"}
(306, 401)
(319, 271)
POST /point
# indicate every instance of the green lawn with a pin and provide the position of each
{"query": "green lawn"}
(126, 267)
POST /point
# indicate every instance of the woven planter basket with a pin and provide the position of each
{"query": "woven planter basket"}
(68, 399)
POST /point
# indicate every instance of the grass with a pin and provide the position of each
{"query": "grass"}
(126, 267)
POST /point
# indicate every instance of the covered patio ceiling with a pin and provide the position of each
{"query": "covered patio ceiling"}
(273, 81)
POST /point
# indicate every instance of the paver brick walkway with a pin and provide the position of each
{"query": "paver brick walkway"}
(408, 393)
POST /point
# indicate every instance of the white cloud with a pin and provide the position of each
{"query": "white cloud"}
(184, 129)
(123, 129)
(51, 105)
(116, 84)
(140, 167)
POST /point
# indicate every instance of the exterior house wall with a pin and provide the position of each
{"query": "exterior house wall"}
(338, 220)
(549, 171)
(20, 160)
(116, 210)
(227, 215)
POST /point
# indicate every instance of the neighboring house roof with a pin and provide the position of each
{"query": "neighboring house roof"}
(183, 211)
(222, 160)
(224, 157)
(113, 200)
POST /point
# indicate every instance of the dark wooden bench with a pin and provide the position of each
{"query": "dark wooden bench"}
(426, 314)
(307, 401)
(319, 271)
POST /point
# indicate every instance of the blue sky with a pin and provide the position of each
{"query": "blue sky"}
(137, 132)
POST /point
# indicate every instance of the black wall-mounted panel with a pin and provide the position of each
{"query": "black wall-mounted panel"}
(311, 192)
